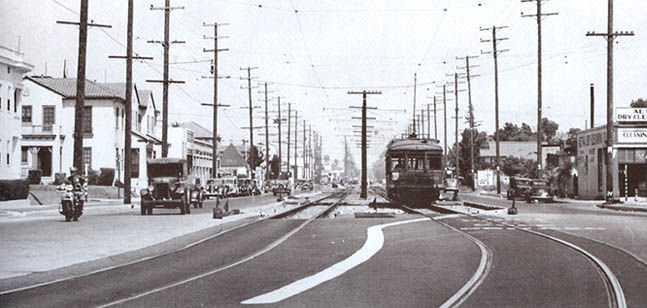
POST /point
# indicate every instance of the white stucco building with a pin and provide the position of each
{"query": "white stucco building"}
(192, 142)
(48, 127)
(12, 69)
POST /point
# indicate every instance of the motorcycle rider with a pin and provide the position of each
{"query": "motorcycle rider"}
(79, 184)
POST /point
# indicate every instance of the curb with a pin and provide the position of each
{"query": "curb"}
(622, 208)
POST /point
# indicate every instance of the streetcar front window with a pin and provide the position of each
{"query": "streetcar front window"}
(397, 163)
(415, 163)
(435, 162)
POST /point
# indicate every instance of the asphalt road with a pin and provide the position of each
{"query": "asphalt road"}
(421, 264)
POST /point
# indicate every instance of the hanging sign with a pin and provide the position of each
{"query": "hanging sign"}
(633, 115)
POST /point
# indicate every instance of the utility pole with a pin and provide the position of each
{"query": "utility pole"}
(129, 102)
(267, 140)
(296, 143)
(165, 82)
(287, 162)
(214, 71)
(252, 162)
(435, 120)
(539, 15)
(80, 81)
(279, 129)
(415, 81)
(363, 192)
(471, 115)
(304, 151)
(429, 120)
(456, 100)
(610, 37)
(495, 52)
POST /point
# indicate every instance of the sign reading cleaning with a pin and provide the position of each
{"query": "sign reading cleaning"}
(628, 114)
(632, 135)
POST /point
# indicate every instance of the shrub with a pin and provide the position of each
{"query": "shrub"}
(93, 177)
(59, 178)
(14, 189)
(34, 176)
(106, 176)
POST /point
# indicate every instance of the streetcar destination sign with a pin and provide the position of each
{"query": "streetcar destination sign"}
(632, 135)
(628, 114)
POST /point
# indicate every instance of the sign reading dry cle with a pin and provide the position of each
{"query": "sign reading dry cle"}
(628, 114)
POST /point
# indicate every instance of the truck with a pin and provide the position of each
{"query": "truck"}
(168, 186)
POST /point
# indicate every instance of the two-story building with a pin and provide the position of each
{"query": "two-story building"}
(12, 69)
(48, 127)
(193, 142)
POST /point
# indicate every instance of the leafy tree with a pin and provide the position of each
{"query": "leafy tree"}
(526, 133)
(258, 157)
(508, 132)
(571, 141)
(275, 167)
(639, 103)
(464, 159)
(549, 129)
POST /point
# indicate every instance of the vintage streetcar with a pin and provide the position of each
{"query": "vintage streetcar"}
(414, 171)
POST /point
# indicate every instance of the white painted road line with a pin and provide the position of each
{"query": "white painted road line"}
(373, 244)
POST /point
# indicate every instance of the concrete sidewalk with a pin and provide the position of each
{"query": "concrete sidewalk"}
(36, 247)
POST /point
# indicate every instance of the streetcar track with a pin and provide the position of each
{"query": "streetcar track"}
(485, 263)
(243, 260)
(611, 282)
(147, 258)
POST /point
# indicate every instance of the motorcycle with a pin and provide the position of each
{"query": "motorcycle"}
(71, 205)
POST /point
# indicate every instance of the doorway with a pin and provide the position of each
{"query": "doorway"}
(45, 161)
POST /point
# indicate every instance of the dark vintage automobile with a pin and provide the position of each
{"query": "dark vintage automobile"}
(167, 186)
(518, 187)
(213, 188)
(197, 191)
(539, 190)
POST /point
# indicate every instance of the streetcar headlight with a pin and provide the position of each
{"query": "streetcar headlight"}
(395, 176)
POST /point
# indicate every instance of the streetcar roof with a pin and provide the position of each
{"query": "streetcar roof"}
(413, 144)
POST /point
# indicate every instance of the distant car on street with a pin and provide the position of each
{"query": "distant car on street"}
(539, 190)
(519, 187)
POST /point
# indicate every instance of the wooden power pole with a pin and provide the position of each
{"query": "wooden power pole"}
(610, 37)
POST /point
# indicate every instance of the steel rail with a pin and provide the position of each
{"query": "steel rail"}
(485, 263)
(612, 284)
(218, 234)
(240, 261)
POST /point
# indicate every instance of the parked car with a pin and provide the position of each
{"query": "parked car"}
(451, 186)
(281, 187)
(167, 186)
(196, 191)
(307, 185)
(518, 187)
(212, 189)
(539, 190)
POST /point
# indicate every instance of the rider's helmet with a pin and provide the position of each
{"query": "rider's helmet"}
(73, 170)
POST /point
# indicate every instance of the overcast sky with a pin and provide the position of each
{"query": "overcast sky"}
(313, 52)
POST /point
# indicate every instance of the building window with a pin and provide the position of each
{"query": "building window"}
(9, 99)
(26, 114)
(134, 159)
(7, 158)
(8, 69)
(87, 158)
(23, 155)
(116, 118)
(87, 119)
(16, 95)
(49, 118)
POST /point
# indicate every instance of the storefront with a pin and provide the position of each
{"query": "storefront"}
(629, 156)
